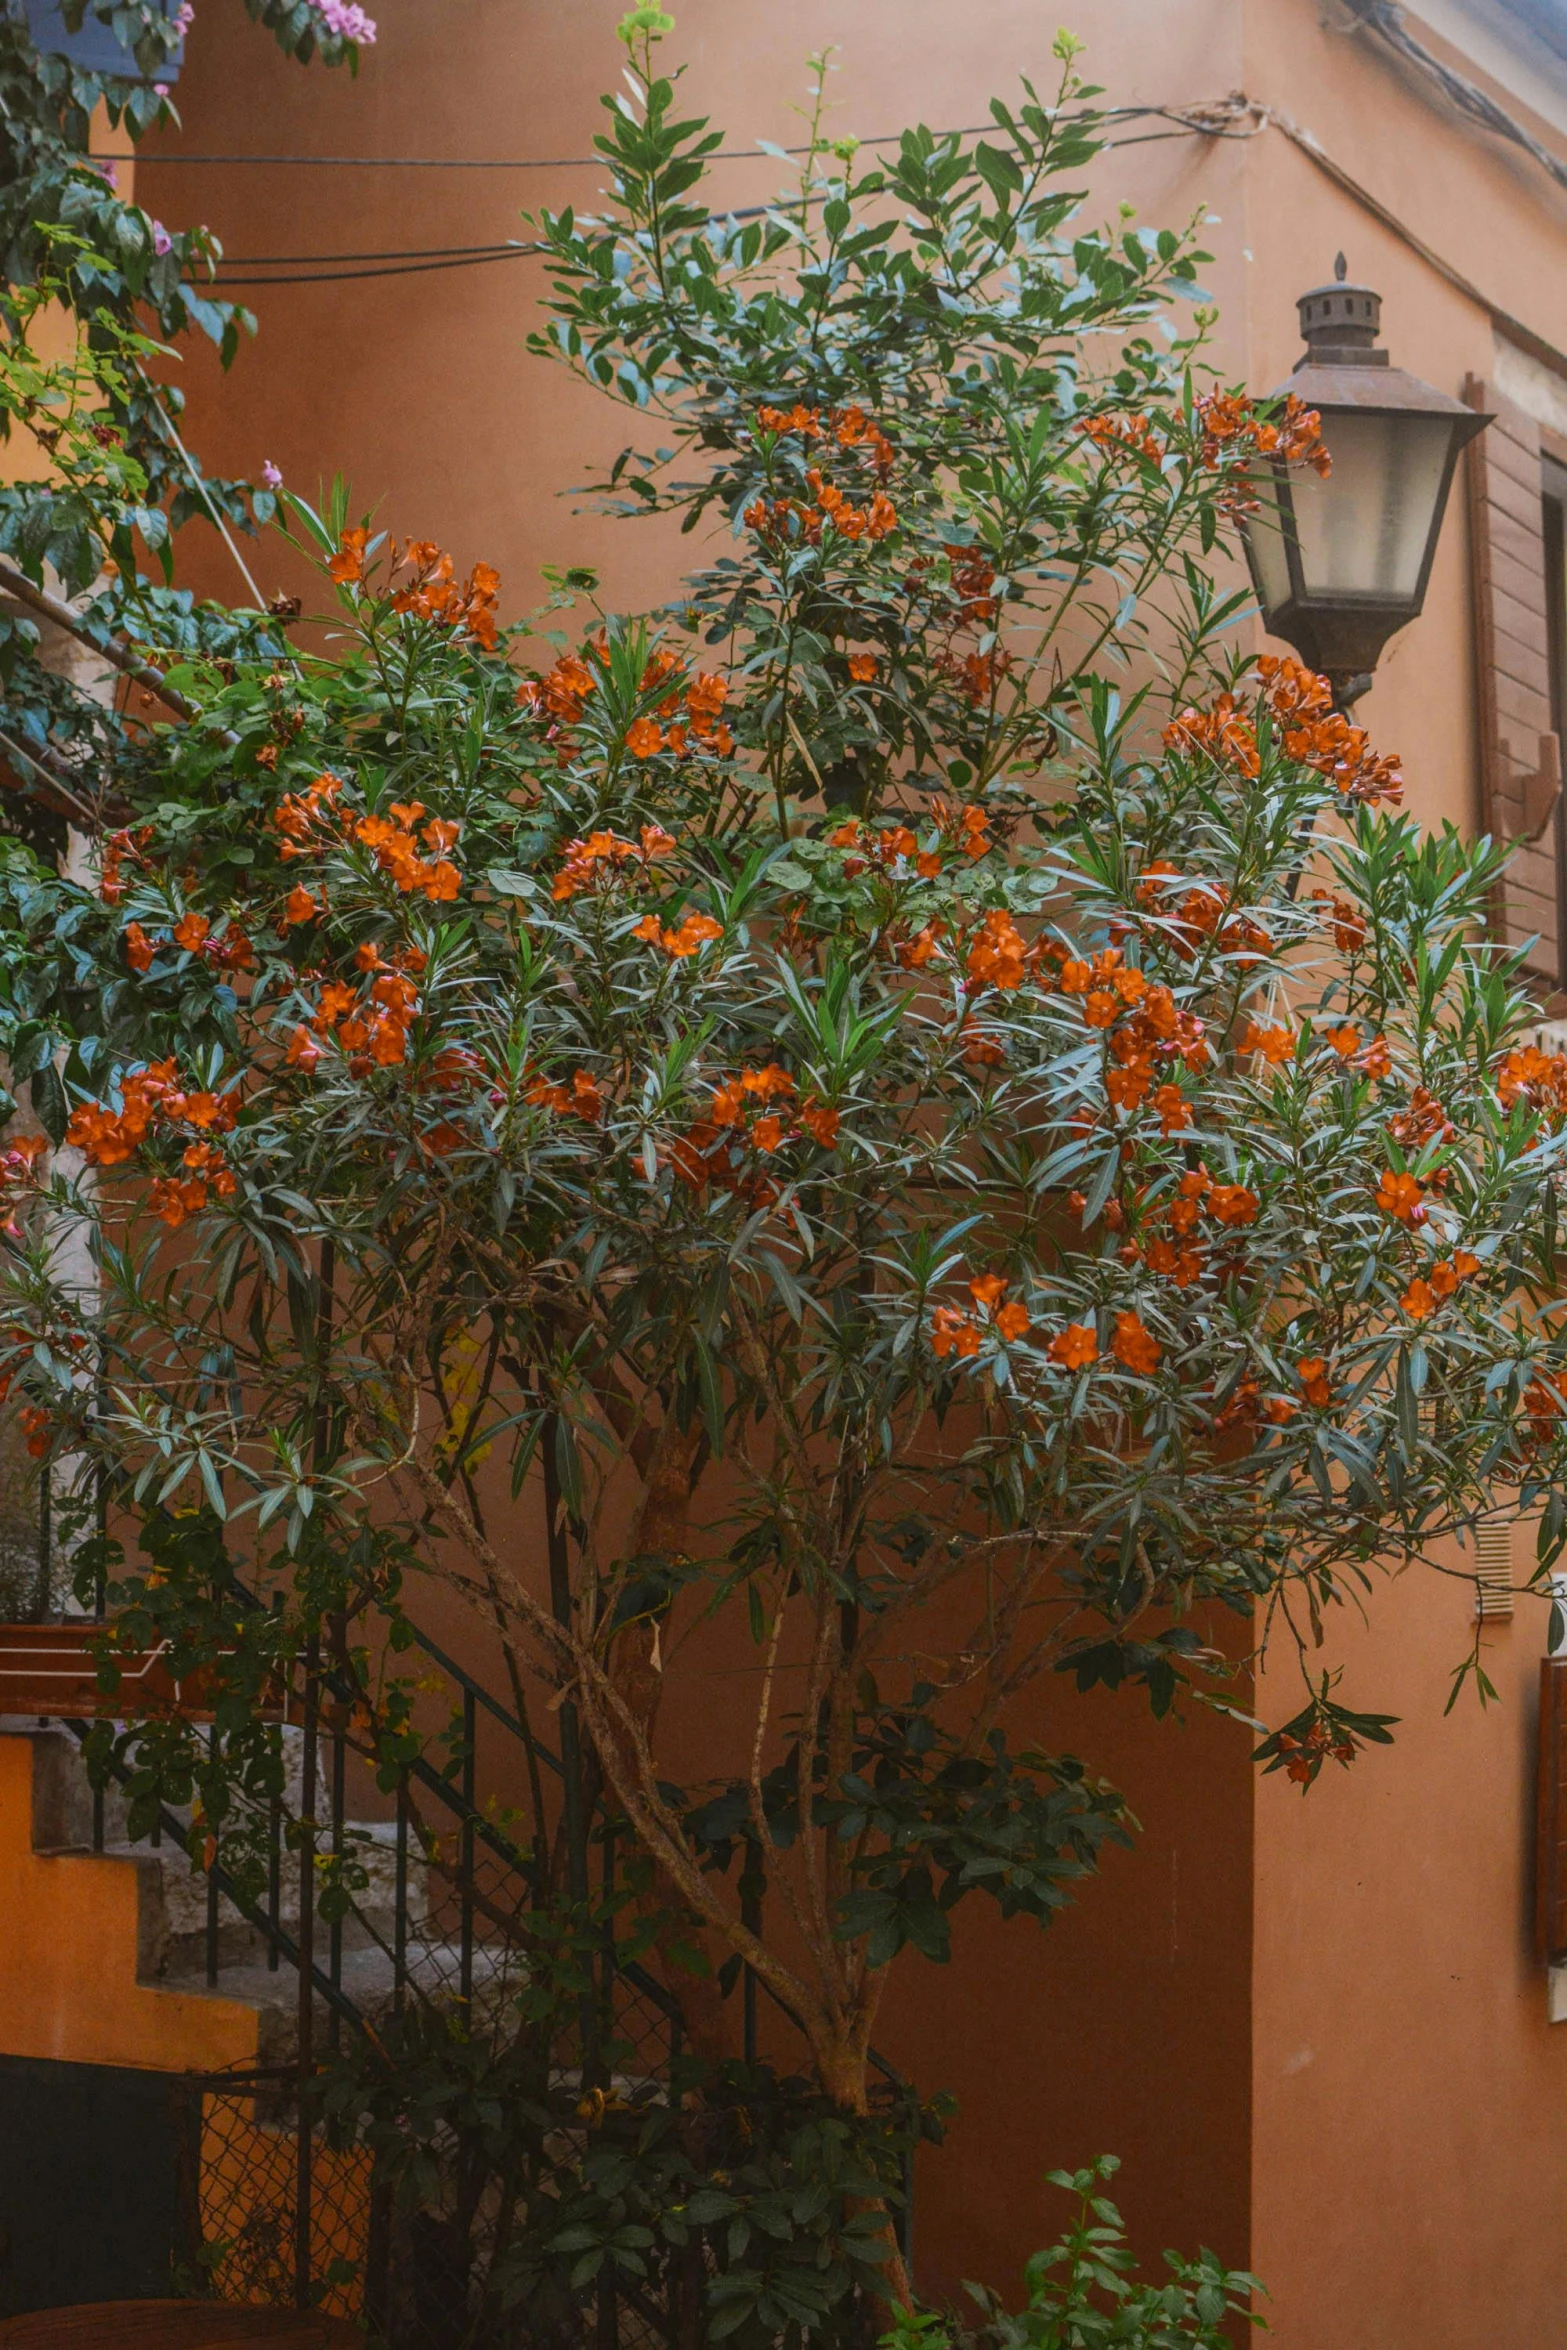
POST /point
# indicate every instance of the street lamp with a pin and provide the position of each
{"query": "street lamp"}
(1340, 564)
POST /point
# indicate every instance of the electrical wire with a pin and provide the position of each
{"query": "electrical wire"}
(1386, 19)
(413, 261)
(1187, 118)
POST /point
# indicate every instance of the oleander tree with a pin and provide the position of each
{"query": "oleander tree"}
(922, 1102)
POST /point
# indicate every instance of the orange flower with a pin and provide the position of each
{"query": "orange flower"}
(1418, 1300)
(1075, 1347)
(988, 1289)
(643, 738)
(1275, 1044)
(1173, 1108)
(1401, 1196)
(820, 1123)
(693, 933)
(1135, 1346)
(997, 956)
(190, 932)
(767, 1133)
(348, 564)
(1377, 1059)
(1345, 1041)
(863, 667)
(303, 1051)
(1232, 1203)
(1129, 1086)
(139, 948)
(1312, 1372)
(1012, 1321)
(35, 1427)
(952, 1333)
(299, 905)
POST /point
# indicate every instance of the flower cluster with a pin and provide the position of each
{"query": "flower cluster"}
(1233, 434)
(1173, 1245)
(953, 1331)
(781, 519)
(851, 428)
(391, 841)
(599, 858)
(1310, 729)
(153, 1102)
(759, 1110)
(691, 716)
(369, 1023)
(345, 20)
(684, 940)
(1190, 917)
(312, 822)
(560, 693)
(772, 1092)
(1539, 1079)
(583, 1098)
(434, 593)
(227, 949)
(1125, 431)
(19, 1157)
(1438, 1282)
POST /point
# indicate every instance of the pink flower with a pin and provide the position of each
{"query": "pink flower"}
(184, 18)
(271, 478)
(162, 242)
(346, 21)
(160, 89)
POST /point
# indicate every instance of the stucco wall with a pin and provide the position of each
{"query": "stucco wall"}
(1402, 2147)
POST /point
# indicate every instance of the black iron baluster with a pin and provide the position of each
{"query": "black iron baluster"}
(400, 1900)
(212, 1882)
(307, 2015)
(100, 1597)
(751, 1918)
(339, 1776)
(470, 1735)
(275, 1837)
(45, 1591)
(570, 1734)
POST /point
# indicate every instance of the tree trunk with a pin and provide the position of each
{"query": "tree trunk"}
(843, 2070)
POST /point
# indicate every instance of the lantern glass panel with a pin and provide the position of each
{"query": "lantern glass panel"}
(1265, 539)
(1363, 531)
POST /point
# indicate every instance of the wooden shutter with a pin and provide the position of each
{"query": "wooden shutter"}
(1520, 764)
(1550, 1886)
(1494, 1571)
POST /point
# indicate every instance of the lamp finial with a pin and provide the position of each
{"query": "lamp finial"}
(1340, 268)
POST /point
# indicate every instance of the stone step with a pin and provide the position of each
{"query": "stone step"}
(367, 1980)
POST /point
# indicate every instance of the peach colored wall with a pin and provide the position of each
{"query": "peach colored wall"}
(1404, 2175)
(1409, 2102)
(419, 388)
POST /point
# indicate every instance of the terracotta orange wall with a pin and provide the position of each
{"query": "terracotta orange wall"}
(419, 388)
(68, 1985)
(1402, 2174)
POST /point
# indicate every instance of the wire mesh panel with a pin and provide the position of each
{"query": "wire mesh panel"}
(248, 2196)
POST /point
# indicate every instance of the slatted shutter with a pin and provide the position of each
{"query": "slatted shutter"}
(1520, 762)
(1550, 1887)
(1493, 1550)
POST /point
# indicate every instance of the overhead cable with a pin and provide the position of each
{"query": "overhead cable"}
(1385, 18)
(1187, 118)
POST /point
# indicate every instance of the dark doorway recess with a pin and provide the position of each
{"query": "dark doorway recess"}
(97, 2183)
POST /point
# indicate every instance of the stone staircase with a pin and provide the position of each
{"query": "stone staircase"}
(183, 1947)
